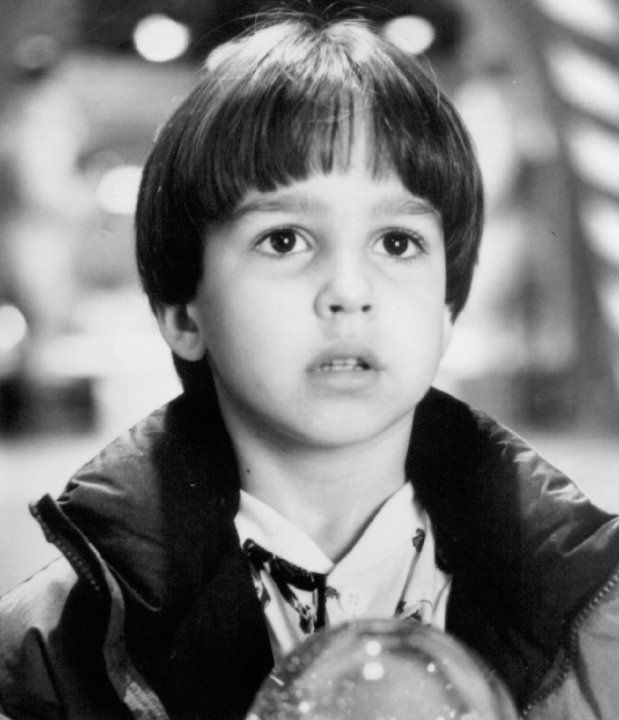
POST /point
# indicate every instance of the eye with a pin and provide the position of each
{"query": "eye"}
(399, 244)
(284, 241)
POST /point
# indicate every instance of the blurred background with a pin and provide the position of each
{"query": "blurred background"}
(84, 84)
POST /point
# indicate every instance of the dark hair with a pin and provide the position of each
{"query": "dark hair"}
(281, 103)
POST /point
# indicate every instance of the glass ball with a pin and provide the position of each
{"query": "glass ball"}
(382, 670)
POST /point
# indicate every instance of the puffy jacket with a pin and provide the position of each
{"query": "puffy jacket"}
(151, 612)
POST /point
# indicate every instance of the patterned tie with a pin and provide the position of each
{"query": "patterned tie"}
(286, 574)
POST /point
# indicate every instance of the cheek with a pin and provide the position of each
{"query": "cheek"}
(236, 319)
(416, 304)
(414, 328)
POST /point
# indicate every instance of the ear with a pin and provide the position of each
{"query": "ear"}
(448, 328)
(181, 332)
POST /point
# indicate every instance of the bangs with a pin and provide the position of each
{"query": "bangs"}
(299, 109)
(286, 137)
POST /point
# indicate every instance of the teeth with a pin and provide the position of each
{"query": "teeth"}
(343, 364)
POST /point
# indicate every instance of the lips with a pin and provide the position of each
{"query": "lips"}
(354, 364)
(343, 358)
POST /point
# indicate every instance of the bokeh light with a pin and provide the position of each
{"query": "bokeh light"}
(13, 327)
(410, 33)
(117, 190)
(158, 38)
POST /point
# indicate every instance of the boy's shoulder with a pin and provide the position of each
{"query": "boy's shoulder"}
(528, 551)
(150, 499)
(178, 447)
(50, 629)
(461, 458)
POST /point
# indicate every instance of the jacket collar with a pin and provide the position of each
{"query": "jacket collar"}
(511, 523)
(158, 504)
(525, 547)
(503, 516)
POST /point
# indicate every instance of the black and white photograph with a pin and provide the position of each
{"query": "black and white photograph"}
(309, 359)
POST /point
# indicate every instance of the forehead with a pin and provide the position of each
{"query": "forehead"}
(355, 177)
(337, 191)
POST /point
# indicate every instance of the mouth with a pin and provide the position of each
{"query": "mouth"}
(344, 358)
(344, 364)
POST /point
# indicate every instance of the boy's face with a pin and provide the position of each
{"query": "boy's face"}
(322, 309)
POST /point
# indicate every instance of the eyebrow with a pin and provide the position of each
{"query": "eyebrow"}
(389, 204)
(404, 204)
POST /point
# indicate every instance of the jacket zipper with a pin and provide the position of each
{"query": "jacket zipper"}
(68, 551)
(566, 664)
(149, 707)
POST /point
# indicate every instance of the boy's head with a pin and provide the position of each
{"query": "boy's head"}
(285, 102)
(306, 145)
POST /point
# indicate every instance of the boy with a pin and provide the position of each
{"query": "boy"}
(307, 227)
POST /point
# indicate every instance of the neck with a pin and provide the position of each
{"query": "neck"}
(329, 493)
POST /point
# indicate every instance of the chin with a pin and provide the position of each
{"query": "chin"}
(345, 431)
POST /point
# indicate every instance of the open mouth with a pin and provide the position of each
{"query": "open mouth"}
(353, 364)
(345, 359)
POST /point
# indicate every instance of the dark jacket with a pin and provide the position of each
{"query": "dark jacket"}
(151, 612)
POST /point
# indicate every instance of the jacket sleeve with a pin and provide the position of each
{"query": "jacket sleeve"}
(29, 616)
(584, 685)
(51, 659)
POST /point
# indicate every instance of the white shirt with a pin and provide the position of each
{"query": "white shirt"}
(390, 571)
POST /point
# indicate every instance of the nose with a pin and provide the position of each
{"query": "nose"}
(346, 289)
